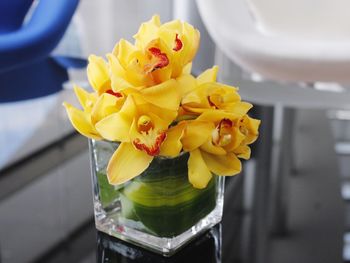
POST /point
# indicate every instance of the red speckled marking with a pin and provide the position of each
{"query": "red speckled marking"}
(178, 43)
(117, 94)
(211, 103)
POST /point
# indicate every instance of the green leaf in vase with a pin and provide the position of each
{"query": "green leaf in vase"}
(108, 193)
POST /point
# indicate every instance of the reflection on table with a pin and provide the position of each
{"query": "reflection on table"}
(206, 248)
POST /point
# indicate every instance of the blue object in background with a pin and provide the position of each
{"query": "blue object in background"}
(26, 68)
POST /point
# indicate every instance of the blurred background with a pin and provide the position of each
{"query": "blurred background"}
(291, 59)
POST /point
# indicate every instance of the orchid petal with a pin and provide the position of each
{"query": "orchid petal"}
(145, 107)
(243, 152)
(126, 163)
(196, 134)
(172, 145)
(253, 129)
(148, 31)
(209, 147)
(85, 98)
(186, 84)
(237, 139)
(98, 73)
(118, 78)
(208, 76)
(116, 126)
(164, 95)
(187, 69)
(216, 115)
(225, 165)
(123, 51)
(81, 122)
(198, 173)
(104, 106)
(238, 108)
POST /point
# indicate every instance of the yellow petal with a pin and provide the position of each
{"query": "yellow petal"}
(126, 163)
(193, 99)
(85, 98)
(198, 173)
(196, 134)
(144, 107)
(172, 145)
(236, 139)
(187, 69)
(116, 127)
(165, 95)
(129, 108)
(81, 122)
(167, 32)
(243, 152)
(162, 74)
(238, 112)
(118, 77)
(190, 39)
(253, 129)
(186, 84)
(209, 147)
(148, 31)
(226, 165)
(208, 76)
(98, 73)
(238, 108)
(105, 105)
(123, 51)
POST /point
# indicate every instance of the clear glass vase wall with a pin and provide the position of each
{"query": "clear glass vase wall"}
(158, 210)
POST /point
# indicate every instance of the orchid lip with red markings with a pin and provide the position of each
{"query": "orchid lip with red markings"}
(162, 58)
(152, 150)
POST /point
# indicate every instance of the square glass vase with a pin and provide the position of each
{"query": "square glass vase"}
(158, 210)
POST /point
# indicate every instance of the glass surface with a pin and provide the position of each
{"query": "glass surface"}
(159, 209)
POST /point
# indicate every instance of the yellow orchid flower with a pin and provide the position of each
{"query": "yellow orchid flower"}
(178, 40)
(161, 52)
(205, 93)
(215, 141)
(95, 108)
(141, 128)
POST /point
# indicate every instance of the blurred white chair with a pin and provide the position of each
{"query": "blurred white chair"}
(303, 44)
(301, 41)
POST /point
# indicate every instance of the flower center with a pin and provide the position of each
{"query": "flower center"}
(221, 135)
(150, 145)
(158, 60)
(144, 124)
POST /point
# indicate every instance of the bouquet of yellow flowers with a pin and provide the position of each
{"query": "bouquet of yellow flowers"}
(146, 98)
(173, 137)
